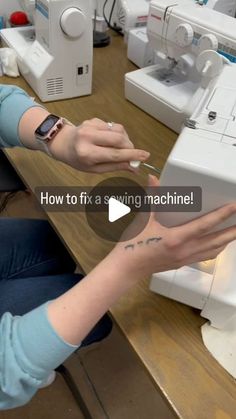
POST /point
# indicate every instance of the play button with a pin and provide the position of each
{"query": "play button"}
(116, 210)
(112, 208)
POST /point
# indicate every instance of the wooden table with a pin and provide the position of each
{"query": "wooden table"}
(165, 335)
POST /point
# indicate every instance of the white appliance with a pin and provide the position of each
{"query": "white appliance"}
(224, 6)
(179, 32)
(56, 55)
(129, 14)
(205, 155)
(29, 7)
(139, 50)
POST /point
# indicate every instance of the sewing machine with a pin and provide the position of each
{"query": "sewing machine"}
(55, 56)
(129, 14)
(139, 50)
(178, 31)
(204, 155)
(29, 7)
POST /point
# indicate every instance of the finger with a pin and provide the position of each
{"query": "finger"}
(103, 126)
(153, 181)
(105, 138)
(113, 155)
(205, 256)
(112, 139)
(219, 238)
(206, 223)
(110, 167)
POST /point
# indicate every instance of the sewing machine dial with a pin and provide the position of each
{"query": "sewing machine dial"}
(208, 41)
(73, 22)
(184, 35)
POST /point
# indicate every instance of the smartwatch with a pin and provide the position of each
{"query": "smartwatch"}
(48, 129)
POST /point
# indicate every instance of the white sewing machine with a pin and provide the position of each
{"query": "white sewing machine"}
(55, 56)
(204, 155)
(129, 14)
(29, 7)
(179, 32)
(139, 50)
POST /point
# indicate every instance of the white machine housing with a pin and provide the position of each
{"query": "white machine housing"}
(204, 155)
(179, 32)
(130, 14)
(139, 50)
(142, 54)
(228, 7)
(29, 7)
(56, 56)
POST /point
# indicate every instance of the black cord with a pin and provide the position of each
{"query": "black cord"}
(112, 9)
(108, 22)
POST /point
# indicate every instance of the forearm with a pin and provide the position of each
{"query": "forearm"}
(75, 313)
(14, 103)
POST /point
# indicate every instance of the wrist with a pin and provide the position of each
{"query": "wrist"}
(61, 147)
(130, 266)
(29, 122)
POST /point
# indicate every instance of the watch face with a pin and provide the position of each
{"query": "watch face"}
(46, 125)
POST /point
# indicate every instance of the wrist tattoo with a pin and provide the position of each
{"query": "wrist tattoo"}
(148, 242)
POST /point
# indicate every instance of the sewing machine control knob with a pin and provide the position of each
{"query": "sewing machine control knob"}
(73, 22)
(208, 41)
(184, 35)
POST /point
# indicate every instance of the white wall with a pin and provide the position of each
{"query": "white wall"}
(8, 6)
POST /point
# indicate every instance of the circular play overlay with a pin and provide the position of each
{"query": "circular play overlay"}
(115, 211)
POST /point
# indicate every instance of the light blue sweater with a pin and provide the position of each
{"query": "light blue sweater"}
(29, 346)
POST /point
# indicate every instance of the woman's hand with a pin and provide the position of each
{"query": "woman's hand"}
(96, 146)
(158, 248)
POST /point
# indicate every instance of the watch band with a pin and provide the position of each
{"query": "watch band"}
(51, 134)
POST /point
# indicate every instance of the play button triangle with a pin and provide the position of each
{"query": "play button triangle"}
(116, 210)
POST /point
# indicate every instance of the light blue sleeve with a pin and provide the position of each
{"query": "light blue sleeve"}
(29, 350)
(13, 104)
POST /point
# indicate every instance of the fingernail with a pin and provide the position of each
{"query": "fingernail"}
(145, 155)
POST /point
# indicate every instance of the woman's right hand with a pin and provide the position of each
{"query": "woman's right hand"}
(155, 249)
(158, 248)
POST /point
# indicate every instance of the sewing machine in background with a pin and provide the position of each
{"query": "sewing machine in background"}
(171, 89)
(197, 89)
(228, 7)
(29, 7)
(55, 56)
(130, 14)
(121, 15)
(140, 50)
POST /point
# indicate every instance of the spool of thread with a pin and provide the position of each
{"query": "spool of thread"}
(19, 18)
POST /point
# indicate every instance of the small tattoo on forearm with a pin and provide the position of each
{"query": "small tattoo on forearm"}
(147, 242)
(129, 246)
(153, 240)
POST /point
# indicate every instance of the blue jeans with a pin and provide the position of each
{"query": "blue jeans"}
(34, 268)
